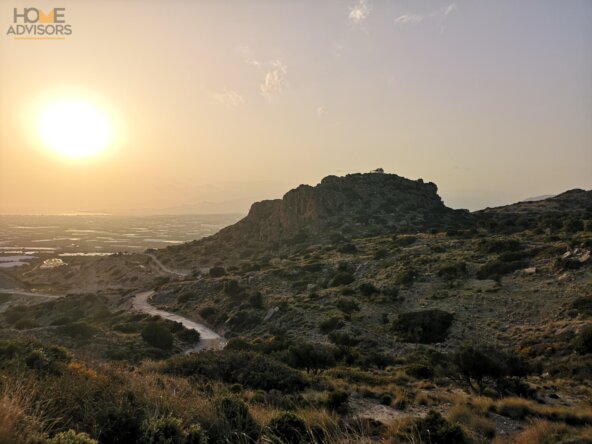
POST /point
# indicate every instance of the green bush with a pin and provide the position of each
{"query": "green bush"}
(368, 289)
(188, 335)
(433, 428)
(288, 429)
(342, 278)
(347, 305)
(404, 241)
(338, 402)
(405, 276)
(331, 324)
(247, 368)
(71, 437)
(157, 336)
(235, 423)
(477, 363)
(217, 272)
(165, 430)
(426, 326)
(583, 341)
(495, 269)
(453, 271)
(311, 357)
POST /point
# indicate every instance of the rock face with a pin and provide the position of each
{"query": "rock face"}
(356, 204)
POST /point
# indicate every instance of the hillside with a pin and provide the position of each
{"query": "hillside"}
(355, 205)
(359, 310)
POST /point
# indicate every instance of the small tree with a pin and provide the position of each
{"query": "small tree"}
(158, 336)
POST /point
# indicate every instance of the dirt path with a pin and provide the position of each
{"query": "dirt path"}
(209, 338)
(166, 269)
(28, 293)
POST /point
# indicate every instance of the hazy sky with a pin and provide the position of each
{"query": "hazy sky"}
(218, 103)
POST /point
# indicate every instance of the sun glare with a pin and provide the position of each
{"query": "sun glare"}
(75, 128)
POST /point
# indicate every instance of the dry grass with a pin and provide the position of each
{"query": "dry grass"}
(19, 415)
(473, 421)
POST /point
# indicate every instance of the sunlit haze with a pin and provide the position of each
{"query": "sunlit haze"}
(179, 106)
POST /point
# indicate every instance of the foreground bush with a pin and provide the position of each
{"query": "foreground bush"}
(71, 437)
(433, 429)
(246, 368)
(158, 336)
(288, 429)
(425, 326)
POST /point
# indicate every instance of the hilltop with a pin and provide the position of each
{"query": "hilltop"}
(352, 206)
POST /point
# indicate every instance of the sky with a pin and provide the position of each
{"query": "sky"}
(216, 104)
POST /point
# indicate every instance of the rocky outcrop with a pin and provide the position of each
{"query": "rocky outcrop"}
(356, 204)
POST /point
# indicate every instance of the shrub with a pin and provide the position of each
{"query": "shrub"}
(348, 249)
(404, 241)
(425, 326)
(583, 342)
(386, 399)
(311, 357)
(433, 428)
(232, 288)
(216, 272)
(453, 271)
(188, 335)
(343, 338)
(573, 225)
(495, 269)
(499, 245)
(256, 300)
(338, 402)
(405, 276)
(157, 336)
(380, 254)
(71, 437)
(368, 289)
(247, 368)
(289, 429)
(165, 430)
(79, 330)
(475, 363)
(583, 305)
(331, 324)
(342, 278)
(347, 305)
(195, 435)
(235, 423)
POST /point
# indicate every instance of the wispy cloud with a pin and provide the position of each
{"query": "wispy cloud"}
(414, 18)
(409, 18)
(275, 73)
(450, 9)
(275, 80)
(360, 11)
(229, 98)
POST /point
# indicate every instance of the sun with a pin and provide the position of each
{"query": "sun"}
(75, 128)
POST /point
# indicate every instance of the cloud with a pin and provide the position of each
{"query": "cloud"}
(438, 15)
(360, 11)
(275, 80)
(450, 9)
(409, 18)
(229, 98)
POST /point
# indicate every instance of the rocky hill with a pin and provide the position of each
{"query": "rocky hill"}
(571, 202)
(354, 205)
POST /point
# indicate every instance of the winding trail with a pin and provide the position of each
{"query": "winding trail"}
(166, 269)
(209, 339)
